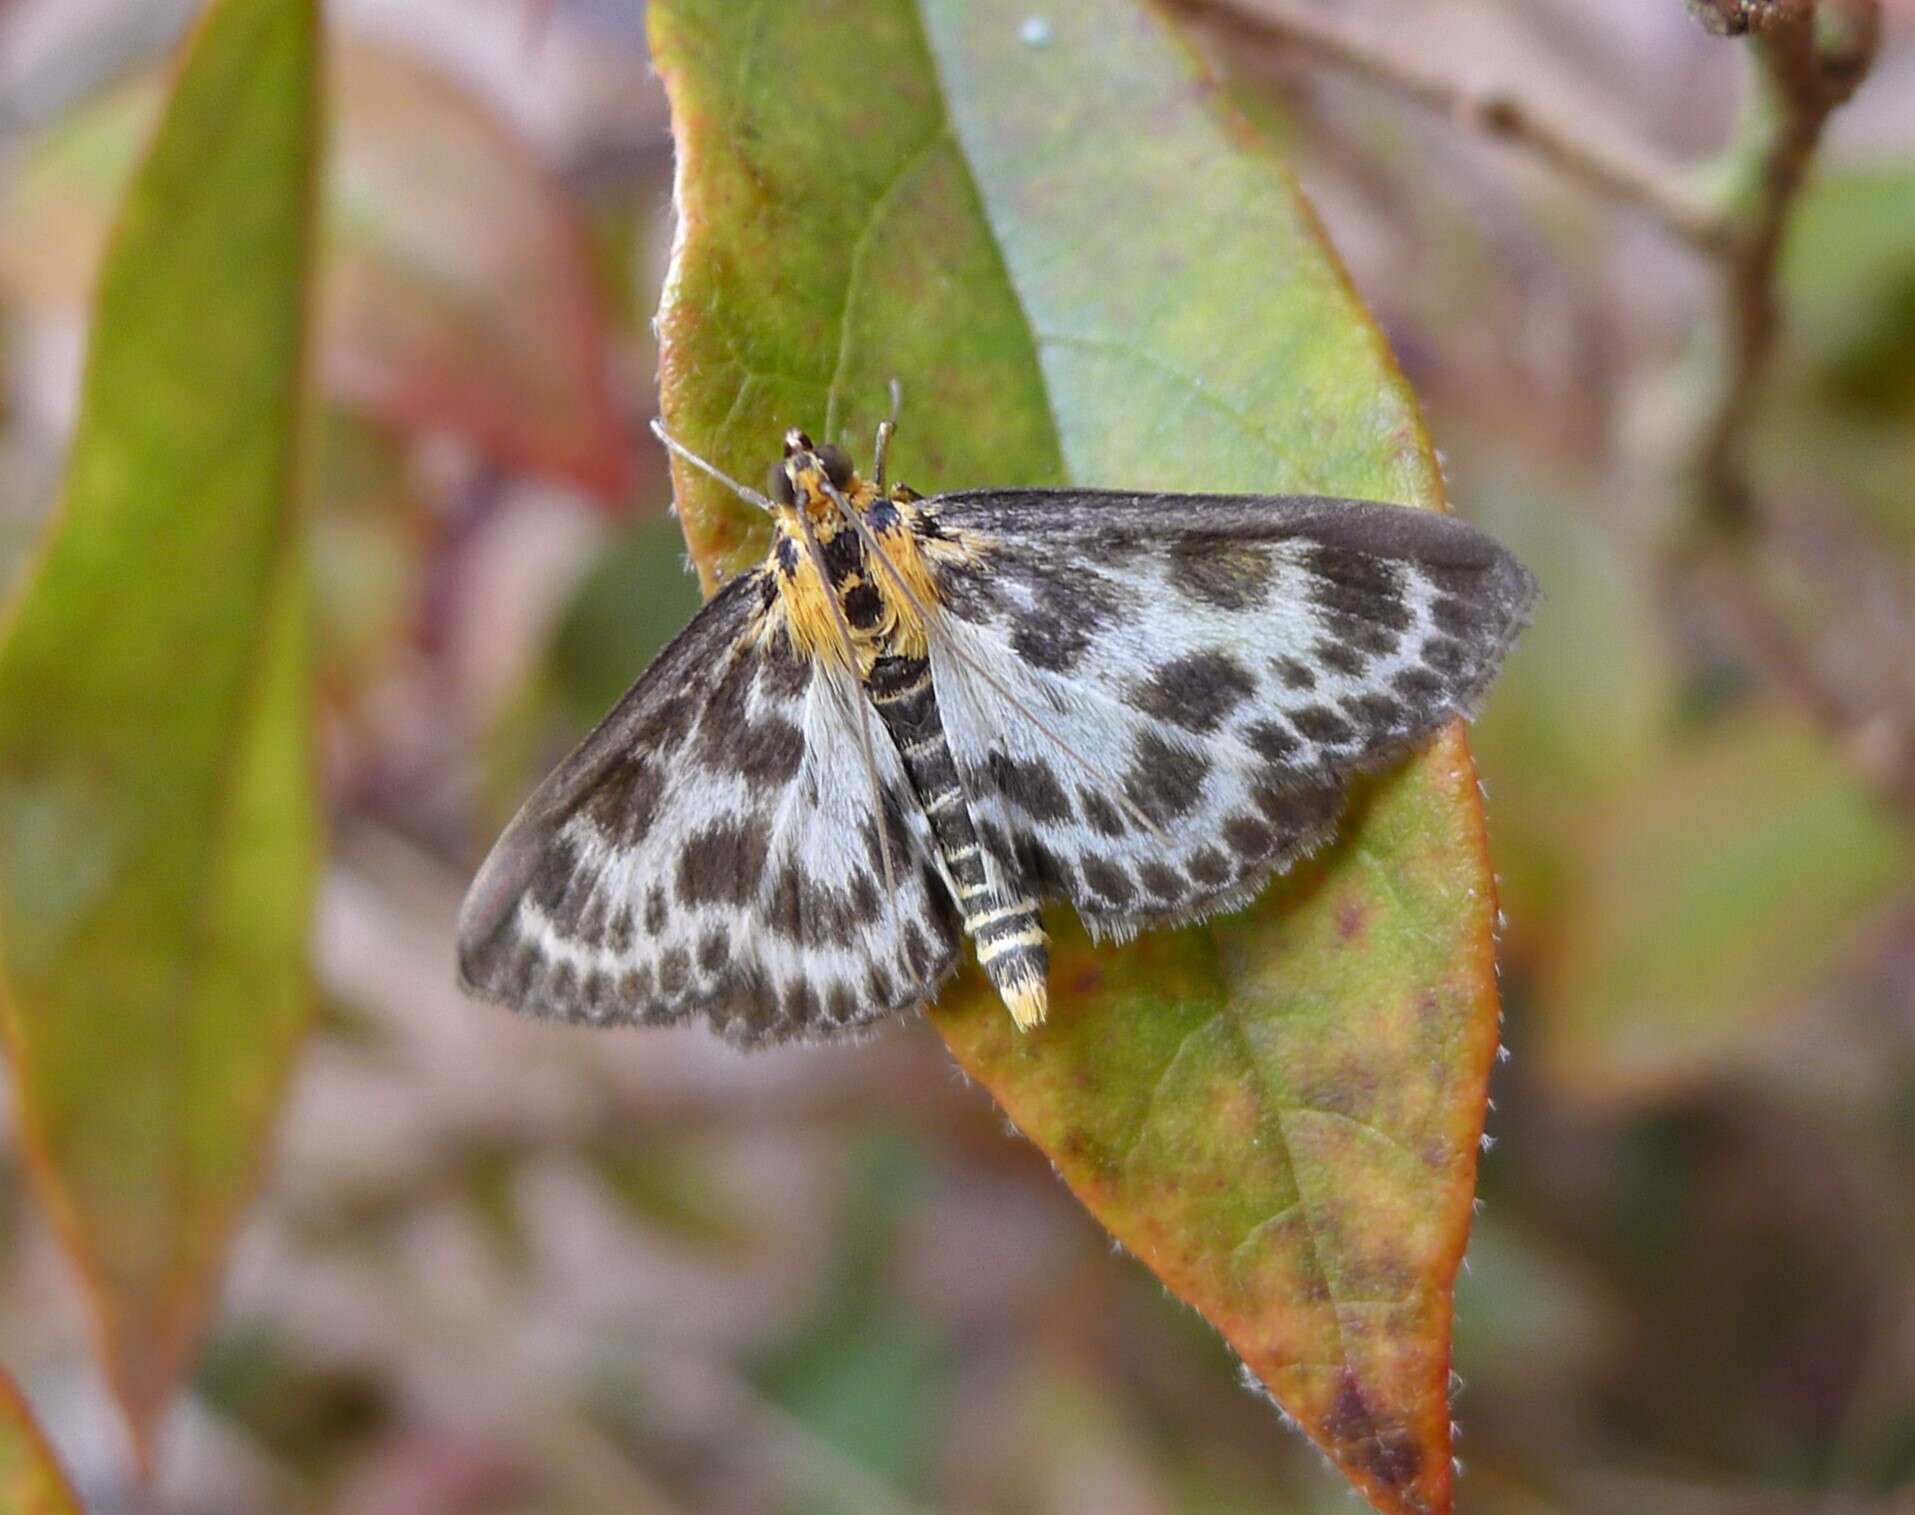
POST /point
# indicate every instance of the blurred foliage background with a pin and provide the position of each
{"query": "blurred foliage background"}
(497, 1267)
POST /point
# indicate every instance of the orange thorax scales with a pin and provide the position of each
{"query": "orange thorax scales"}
(878, 614)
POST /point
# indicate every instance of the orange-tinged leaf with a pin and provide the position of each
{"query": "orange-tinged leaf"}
(157, 810)
(1042, 221)
(31, 1480)
(459, 292)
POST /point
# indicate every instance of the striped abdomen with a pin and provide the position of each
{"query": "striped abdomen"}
(1011, 945)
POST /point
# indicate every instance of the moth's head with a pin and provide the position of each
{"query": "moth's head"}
(799, 477)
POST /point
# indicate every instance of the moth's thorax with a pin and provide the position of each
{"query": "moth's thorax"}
(878, 614)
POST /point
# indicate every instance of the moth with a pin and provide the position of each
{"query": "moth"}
(920, 719)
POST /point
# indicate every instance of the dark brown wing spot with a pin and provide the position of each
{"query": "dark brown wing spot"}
(1446, 655)
(1100, 813)
(1209, 866)
(1247, 836)
(1069, 605)
(1031, 786)
(1458, 617)
(1165, 781)
(1365, 636)
(801, 1004)
(863, 899)
(514, 976)
(1357, 585)
(783, 674)
(802, 911)
(1043, 869)
(1217, 571)
(1295, 675)
(591, 919)
(1378, 712)
(624, 802)
(970, 591)
(1161, 880)
(1273, 742)
(714, 949)
(841, 1005)
(1108, 879)
(635, 986)
(1322, 724)
(1195, 692)
(558, 866)
(721, 865)
(1341, 657)
(666, 724)
(1296, 813)
(1418, 685)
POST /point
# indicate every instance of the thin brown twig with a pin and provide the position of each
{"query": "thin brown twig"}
(1806, 60)
(1620, 170)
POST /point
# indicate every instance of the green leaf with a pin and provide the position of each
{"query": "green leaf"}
(31, 1480)
(157, 813)
(1042, 221)
(459, 292)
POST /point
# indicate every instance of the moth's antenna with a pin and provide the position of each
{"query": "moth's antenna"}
(924, 613)
(863, 707)
(743, 491)
(885, 428)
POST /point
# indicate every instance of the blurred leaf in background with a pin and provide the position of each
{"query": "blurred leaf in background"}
(158, 822)
(31, 1482)
(458, 292)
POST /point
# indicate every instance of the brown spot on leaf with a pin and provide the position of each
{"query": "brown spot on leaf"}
(1387, 1453)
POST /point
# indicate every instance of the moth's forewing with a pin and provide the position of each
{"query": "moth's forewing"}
(1224, 664)
(709, 849)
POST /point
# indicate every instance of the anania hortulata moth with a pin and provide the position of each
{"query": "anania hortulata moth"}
(925, 716)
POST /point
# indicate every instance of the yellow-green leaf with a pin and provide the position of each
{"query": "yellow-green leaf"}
(1044, 222)
(31, 1480)
(157, 816)
(458, 292)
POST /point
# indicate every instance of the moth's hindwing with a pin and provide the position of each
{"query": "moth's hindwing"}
(1156, 701)
(712, 848)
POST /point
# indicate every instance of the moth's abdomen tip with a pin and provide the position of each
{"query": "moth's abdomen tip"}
(1028, 1000)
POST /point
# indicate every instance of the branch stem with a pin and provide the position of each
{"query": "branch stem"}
(1805, 61)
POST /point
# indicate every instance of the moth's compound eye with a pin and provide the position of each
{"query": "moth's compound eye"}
(778, 485)
(836, 465)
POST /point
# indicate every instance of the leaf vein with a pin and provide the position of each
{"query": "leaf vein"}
(860, 250)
